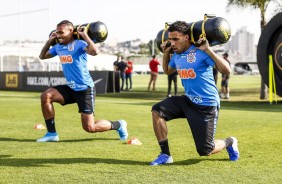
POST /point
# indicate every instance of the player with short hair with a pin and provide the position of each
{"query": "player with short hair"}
(80, 87)
(200, 104)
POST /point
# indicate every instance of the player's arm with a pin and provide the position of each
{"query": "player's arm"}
(91, 48)
(45, 54)
(166, 58)
(221, 64)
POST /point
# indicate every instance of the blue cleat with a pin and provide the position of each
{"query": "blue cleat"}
(162, 159)
(49, 137)
(122, 131)
(233, 150)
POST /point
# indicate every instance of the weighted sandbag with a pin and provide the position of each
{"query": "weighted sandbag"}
(97, 31)
(216, 30)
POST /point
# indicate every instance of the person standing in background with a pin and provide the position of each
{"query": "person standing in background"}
(224, 81)
(116, 75)
(154, 72)
(115, 64)
(170, 78)
(128, 74)
(215, 75)
(121, 66)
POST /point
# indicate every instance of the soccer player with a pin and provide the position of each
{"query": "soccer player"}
(80, 87)
(200, 104)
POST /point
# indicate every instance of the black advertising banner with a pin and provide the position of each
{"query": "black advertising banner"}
(100, 79)
(113, 82)
(40, 81)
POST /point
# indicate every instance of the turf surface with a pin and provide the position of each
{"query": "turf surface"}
(81, 157)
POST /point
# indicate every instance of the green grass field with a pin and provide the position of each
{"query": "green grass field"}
(81, 157)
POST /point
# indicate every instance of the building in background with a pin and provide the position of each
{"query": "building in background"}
(242, 47)
(242, 52)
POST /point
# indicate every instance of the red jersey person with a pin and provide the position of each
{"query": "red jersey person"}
(154, 72)
(128, 74)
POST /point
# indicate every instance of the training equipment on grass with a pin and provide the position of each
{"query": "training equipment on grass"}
(215, 29)
(97, 31)
(271, 79)
(39, 126)
(270, 43)
(134, 141)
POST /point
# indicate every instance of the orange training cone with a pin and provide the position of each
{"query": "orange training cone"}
(39, 127)
(134, 141)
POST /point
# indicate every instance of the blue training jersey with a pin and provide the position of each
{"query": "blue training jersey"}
(194, 67)
(74, 63)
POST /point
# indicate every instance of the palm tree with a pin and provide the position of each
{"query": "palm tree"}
(262, 6)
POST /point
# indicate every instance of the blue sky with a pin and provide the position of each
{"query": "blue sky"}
(125, 19)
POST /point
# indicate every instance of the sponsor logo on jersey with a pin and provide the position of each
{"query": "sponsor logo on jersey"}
(71, 84)
(186, 74)
(196, 99)
(66, 59)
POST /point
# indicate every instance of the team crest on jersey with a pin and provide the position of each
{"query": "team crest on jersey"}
(191, 57)
(71, 47)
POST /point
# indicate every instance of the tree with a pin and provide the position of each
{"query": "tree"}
(262, 6)
(144, 49)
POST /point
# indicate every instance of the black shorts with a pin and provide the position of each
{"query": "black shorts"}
(202, 119)
(84, 99)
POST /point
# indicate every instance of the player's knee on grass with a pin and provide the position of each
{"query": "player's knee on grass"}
(204, 151)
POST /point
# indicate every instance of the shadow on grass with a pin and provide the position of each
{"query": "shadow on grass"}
(89, 139)
(6, 160)
(233, 105)
(19, 94)
(4, 139)
(196, 161)
(140, 94)
(252, 106)
(236, 105)
(16, 140)
(40, 162)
